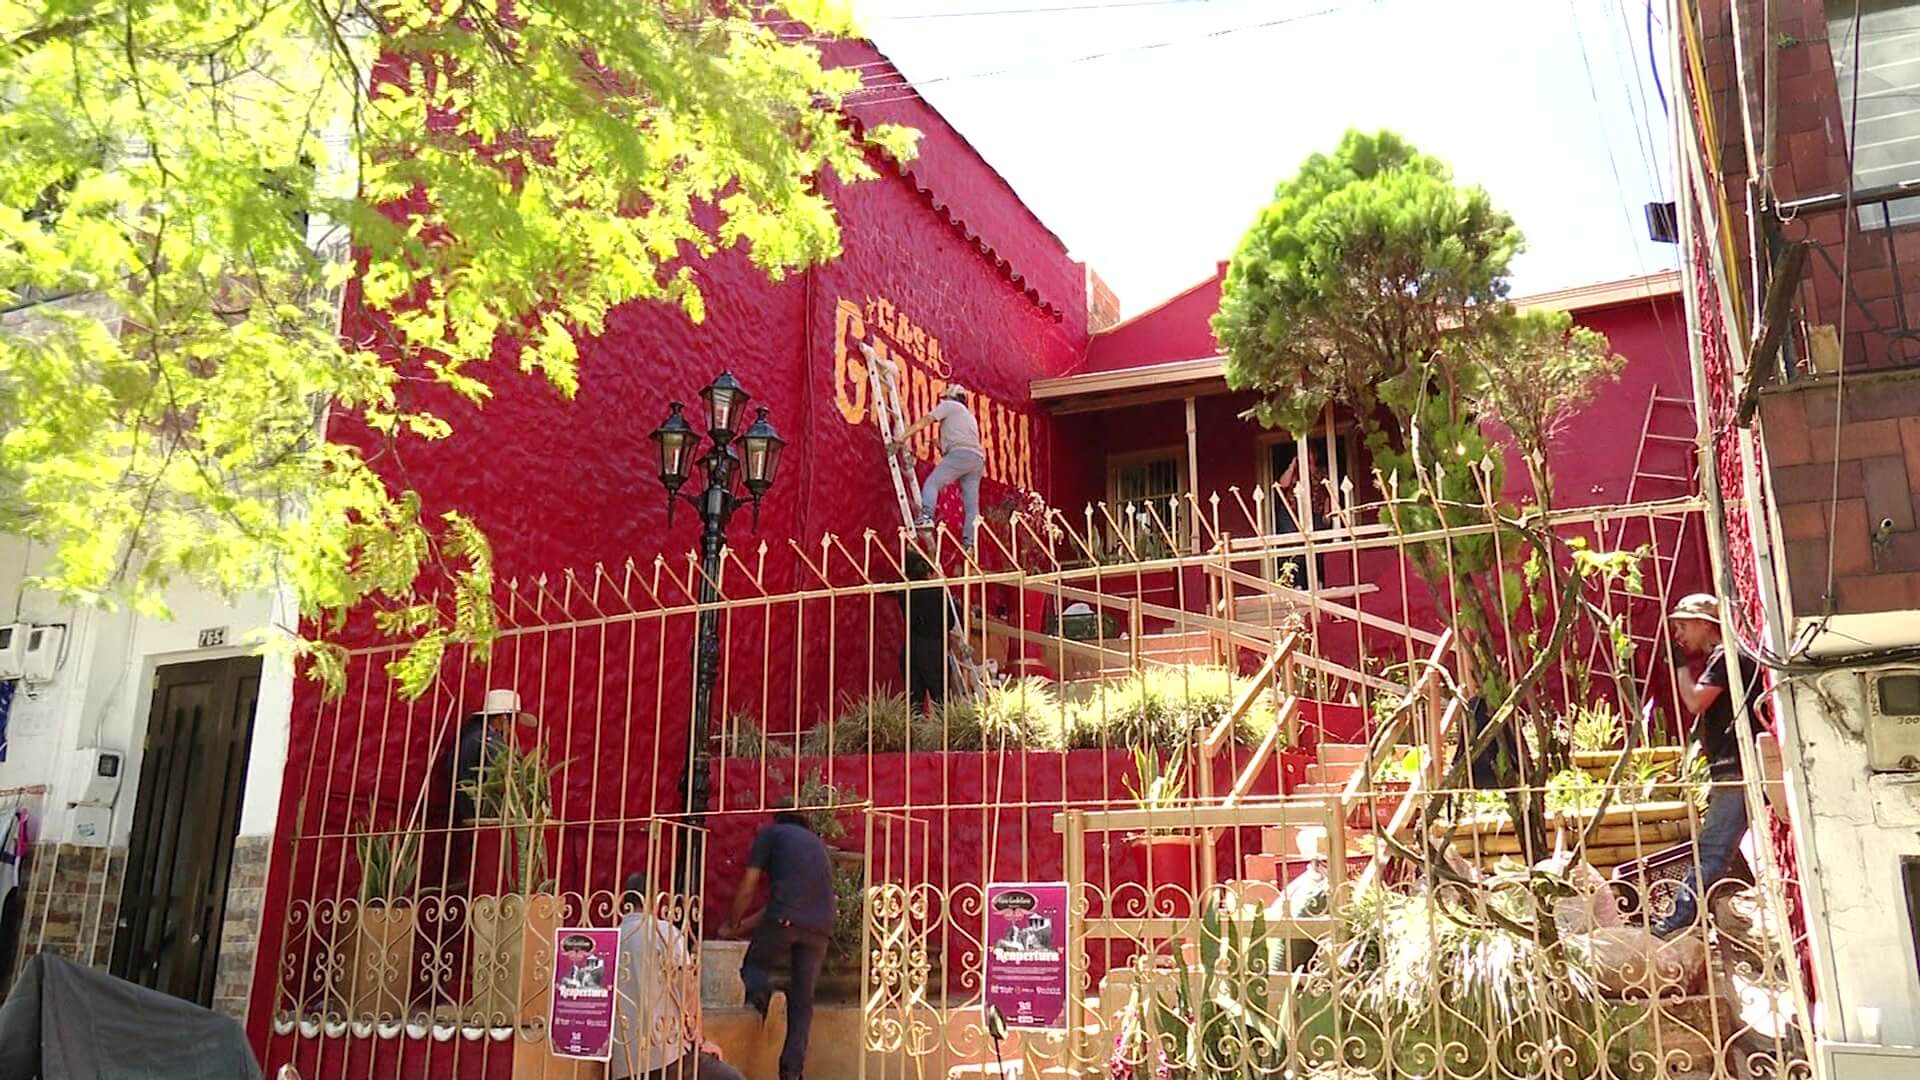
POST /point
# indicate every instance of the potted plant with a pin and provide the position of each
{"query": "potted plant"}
(821, 804)
(1166, 853)
(381, 936)
(513, 931)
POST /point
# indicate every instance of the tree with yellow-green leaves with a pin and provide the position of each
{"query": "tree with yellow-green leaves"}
(198, 169)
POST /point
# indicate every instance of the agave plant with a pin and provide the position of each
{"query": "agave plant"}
(1224, 1018)
(389, 862)
(515, 788)
(1160, 788)
(1427, 971)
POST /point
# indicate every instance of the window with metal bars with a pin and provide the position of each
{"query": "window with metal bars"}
(1146, 494)
(1882, 68)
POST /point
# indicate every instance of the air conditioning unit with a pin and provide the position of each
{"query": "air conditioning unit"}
(1852, 1061)
(1893, 720)
(13, 645)
(40, 661)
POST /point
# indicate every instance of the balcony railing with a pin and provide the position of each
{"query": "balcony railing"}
(1878, 307)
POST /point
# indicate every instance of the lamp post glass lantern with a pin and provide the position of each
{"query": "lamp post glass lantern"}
(725, 399)
(763, 455)
(754, 462)
(675, 440)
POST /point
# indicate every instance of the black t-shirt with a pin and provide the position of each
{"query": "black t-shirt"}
(471, 750)
(799, 875)
(929, 615)
(1714, 728)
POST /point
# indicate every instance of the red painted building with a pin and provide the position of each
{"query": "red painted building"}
(950, 274)
(943, 269)
(1150, 414)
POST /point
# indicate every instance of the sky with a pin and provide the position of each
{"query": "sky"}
(1151, 158)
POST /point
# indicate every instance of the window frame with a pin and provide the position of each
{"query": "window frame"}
(1899, 212)
(1182, 524)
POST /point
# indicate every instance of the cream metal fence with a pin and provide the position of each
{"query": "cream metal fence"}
(1319, 735)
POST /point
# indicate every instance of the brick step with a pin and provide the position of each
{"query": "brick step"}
(1331, 753)
(1320, 789)
(1285, 840)
(1336, 773)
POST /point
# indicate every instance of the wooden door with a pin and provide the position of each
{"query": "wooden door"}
(185, 817)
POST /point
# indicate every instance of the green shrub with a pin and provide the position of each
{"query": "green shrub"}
(877, 723)
(1025, 714)
(849, 915)
(742, 736)
(1161, 707)
(1596, 726)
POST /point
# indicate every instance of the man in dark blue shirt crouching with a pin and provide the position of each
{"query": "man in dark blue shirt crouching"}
(796, 924)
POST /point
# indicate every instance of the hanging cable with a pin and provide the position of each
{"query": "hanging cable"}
(1846, 267)
(918, 84)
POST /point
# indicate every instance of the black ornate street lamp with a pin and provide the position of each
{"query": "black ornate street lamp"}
(753, 463)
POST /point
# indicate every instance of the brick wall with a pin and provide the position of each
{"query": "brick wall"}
(1103, 306)
(73, 892)
(1879, 475)
(1809, 155)
(73, 901)
(240, 930)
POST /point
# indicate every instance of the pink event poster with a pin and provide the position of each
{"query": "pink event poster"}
(1027, 941)
(580, 1023)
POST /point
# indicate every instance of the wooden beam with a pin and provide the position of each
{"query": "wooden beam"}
(1289, 710)
(1143, 377)
(1775, 316)
(1193, 472)
(1223, 730)
(1299, 596)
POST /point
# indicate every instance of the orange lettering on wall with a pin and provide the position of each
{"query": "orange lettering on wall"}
(983, 416)
(1003, 446)
(923, 369)
(1026, 452)
(849, 373)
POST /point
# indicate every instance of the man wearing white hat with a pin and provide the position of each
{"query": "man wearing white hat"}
(962, 458)
(1695, 625)
(482, 732)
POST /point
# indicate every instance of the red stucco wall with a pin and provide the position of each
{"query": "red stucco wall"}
(1178, 329)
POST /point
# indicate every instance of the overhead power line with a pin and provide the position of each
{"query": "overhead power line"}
(904, 83)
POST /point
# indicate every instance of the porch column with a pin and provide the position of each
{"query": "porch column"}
(1193, 474)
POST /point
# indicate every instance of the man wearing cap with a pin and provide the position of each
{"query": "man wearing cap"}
(795, 926)
(961, 458)
(1695, 625)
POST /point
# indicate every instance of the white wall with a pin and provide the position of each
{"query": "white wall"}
(1862, 824)
(102, 692)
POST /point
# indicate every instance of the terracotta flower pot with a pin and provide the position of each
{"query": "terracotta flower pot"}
(379, 965)
(1168, 865)
(512, 957)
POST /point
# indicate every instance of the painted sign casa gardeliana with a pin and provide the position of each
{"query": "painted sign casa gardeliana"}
(1005, 435)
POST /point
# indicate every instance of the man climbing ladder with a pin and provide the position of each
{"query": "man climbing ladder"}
(916, 507)
(962, 458)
